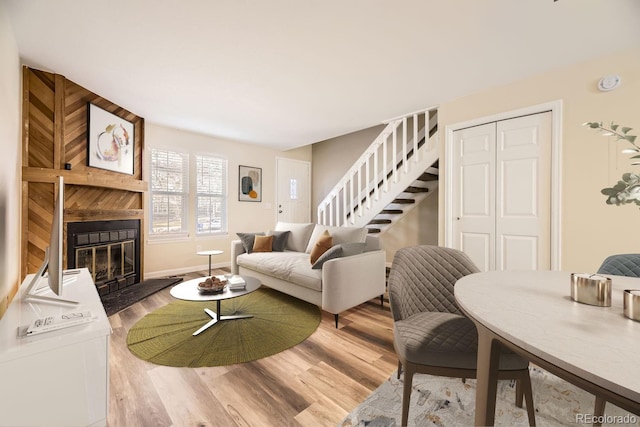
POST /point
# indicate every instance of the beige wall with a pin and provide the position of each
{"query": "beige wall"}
(334, 157)
(10, 161)
(590, 229)
(175, 256)
(418, 227)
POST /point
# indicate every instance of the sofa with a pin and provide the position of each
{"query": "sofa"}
(335, 268)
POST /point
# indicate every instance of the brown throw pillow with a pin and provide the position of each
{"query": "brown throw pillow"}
(323, 244)
(262, 244)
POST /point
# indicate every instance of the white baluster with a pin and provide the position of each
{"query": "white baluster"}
(415, 138)
(405, 143)
(351, 196)
(384, 163)
(344, 205)
(360, 191)
(368, 183)
(394, 154)
(375, 174)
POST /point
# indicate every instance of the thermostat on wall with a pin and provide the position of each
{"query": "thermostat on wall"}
(608, 83)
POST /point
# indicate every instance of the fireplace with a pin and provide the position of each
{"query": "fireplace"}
(109, 249)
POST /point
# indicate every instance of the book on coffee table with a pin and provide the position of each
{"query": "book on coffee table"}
(234, 282)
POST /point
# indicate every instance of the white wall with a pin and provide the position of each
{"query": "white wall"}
(176, 256)
(10, 161)
(591, 230)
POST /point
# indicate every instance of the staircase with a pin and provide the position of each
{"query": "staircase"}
(394, 174)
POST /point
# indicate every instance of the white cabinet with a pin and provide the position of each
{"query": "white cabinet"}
(56, 378)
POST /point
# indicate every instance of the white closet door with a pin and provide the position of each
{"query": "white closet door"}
(523, 175)
(474, 179)
(502, 189)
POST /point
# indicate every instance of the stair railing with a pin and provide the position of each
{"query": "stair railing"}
(384, 161)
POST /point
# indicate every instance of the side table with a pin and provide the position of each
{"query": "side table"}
(209, 253)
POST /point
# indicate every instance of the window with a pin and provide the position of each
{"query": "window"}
(169, 192)
(211, 195)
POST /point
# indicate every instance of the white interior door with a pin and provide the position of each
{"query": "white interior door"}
(474, 226)
(523, 209)
(293, 199)
(501, 182)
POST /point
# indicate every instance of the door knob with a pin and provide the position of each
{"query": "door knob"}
(279, 211)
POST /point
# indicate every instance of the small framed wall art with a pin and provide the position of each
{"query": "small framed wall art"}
(250, 184)
(109, 141)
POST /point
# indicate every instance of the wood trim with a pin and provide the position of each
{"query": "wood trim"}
(88, 178)
(75, 215)
(25, 116)
(25, 162)
(25, 229)
(145, 198)
(58, 122)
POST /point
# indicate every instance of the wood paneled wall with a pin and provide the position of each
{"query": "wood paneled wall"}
(54, 134)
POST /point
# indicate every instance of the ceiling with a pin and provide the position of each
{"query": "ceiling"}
(287, 73)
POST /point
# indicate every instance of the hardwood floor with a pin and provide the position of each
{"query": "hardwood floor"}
(316, 383)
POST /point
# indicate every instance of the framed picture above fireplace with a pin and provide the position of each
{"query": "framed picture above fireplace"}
(109, 141)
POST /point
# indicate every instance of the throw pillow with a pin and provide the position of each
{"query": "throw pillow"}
(354, 248)
(247, 240)
(279, 240)
(262, 243)
(298, 236)
(334, 252)
(323, 244)
(339, 251)
(339, 234)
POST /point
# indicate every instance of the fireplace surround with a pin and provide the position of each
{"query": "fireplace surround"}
(109, 249)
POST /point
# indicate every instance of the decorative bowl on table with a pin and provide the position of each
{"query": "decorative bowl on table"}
(212, 285)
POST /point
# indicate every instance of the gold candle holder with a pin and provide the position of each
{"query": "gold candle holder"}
(631, 301)
(591, 289)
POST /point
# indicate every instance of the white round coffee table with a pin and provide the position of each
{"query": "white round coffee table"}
(188, 291)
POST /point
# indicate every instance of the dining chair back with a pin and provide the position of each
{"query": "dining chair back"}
(430, 333)
(621, 265)
(616, 265)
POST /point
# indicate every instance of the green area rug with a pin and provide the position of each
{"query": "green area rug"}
(164, 337)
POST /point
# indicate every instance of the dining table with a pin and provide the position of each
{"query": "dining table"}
(532, 313)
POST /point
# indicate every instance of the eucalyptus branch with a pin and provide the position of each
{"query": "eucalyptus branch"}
(613, 131)
(627, 190)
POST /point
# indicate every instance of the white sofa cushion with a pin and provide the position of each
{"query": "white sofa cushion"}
(290, 266)
(339, 235)
(298, 236)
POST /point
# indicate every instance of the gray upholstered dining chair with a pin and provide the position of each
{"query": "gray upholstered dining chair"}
(621, 265)
(430, 333)
(617, 265)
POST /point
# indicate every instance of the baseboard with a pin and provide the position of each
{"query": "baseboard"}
(185, 270)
